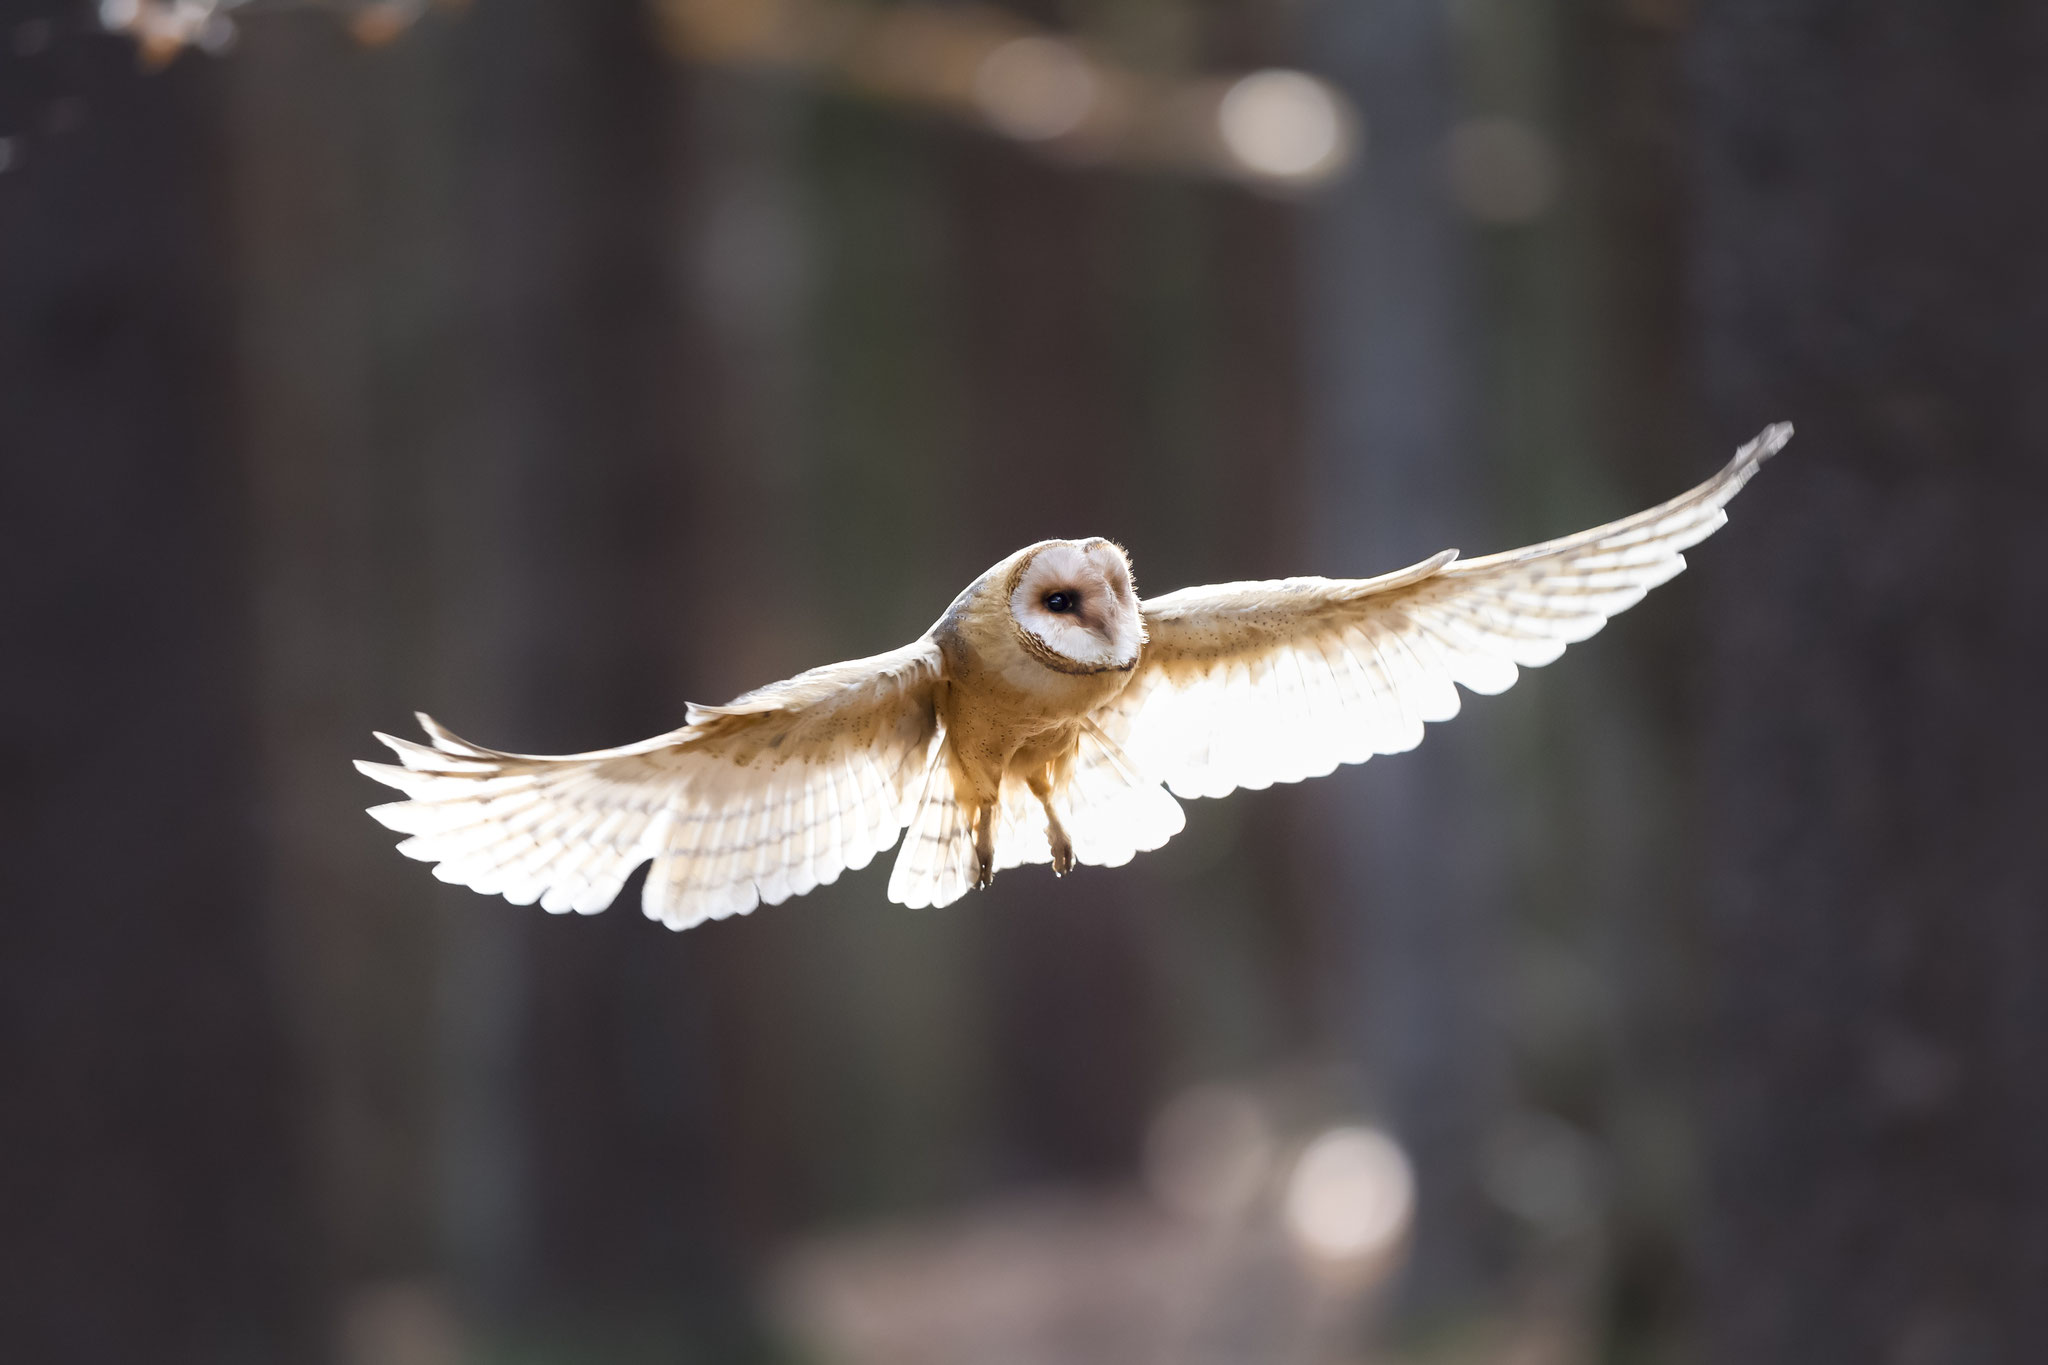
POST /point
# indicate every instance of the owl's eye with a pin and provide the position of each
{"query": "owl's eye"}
(1060, 601)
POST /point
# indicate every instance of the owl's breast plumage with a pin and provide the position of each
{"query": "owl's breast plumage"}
(1001, 696)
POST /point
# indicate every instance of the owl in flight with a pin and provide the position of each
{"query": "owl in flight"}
(1044, 719)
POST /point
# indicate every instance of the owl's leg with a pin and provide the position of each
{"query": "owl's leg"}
(1055, 834)
(984, 844)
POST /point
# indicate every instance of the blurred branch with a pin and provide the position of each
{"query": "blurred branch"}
(164, 28)
(995, 70)
(978, 64)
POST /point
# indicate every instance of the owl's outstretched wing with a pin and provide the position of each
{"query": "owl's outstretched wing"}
(758, 800)
(1248, 684)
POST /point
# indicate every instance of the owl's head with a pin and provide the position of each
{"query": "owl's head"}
(1074, 607)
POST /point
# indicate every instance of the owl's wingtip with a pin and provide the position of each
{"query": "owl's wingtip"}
(447, 741)
(1768, 442)
(390, 774)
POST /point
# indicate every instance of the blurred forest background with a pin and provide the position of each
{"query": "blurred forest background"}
(546, 363)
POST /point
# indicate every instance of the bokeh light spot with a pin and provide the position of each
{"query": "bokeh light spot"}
(1035, 89)
(1284, 125)
(1351, 1195)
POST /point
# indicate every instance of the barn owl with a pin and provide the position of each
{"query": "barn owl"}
(1049, 716)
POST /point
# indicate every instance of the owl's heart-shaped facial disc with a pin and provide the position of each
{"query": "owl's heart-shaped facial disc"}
(1074, 597)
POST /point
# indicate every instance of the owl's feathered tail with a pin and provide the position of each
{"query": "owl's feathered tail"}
(1110, 810)
(936, 865)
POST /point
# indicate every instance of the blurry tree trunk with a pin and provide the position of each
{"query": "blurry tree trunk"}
(1420, 866)
(1871, 224)
(148, 1205)
(464, 420)
(638, 1088)
(337, 189)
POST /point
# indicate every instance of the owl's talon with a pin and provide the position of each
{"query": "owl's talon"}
(1062, 856)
